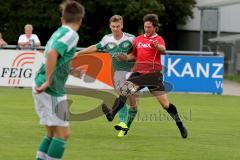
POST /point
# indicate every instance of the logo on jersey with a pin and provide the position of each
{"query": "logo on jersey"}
(111, 46)
(125, 46)
(144, 45)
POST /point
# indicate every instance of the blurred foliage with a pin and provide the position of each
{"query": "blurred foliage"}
(44, 15)
(235, 78)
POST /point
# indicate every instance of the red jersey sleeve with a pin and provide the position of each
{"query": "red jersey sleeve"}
(161, 41)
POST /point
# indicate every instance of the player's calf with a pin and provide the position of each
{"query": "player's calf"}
(107, 112)
(172, 110)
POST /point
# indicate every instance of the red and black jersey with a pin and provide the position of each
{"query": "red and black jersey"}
(148, 59)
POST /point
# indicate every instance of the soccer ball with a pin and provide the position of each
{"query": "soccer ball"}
(128, 88)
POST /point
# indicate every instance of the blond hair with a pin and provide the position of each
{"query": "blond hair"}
(116, 18)
(28, 26)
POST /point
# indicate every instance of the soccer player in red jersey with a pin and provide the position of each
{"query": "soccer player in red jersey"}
(147, 50)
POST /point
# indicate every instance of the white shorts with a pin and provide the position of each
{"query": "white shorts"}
(46, 108)
(120, 78)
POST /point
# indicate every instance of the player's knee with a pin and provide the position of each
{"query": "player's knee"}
(133, 102)
(164, 104)
(66, 135)
(50, 135)
(63, 134)
(50, 132)
(133, 107)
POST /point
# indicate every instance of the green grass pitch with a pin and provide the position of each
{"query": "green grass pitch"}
(213, 122)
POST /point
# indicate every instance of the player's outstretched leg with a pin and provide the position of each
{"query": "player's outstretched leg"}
(122, 117)
(172, 110)
(118, 104)
(122, 126)
(132, 112)
(123, 113)
(56, 148)
(43, 148)
(107, 111)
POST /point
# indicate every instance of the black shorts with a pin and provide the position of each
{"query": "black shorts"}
(153, 81)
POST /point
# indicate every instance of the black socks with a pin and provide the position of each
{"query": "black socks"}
(118, 104)
(172, 110)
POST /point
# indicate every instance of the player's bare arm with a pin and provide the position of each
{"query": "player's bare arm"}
(88, 50)
(50, 66)
(159, 47)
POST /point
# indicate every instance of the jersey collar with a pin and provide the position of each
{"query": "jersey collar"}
(65, 26)
(123, 34)
(153, 36)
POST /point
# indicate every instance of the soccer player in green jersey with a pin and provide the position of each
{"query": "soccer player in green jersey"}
(147, 51)
(50, 79)
(117, 43)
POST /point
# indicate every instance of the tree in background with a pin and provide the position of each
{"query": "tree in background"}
(44, 16)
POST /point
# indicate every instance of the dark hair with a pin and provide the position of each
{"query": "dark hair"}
(151, 18)
(72, 11)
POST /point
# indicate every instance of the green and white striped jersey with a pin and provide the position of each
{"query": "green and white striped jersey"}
(64, 41)
(115, 47)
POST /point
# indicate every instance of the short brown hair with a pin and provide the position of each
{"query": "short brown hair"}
(151, 18)
(72, 11)
(116, 18)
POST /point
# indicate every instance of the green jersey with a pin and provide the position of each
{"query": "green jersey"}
(64, 41)
(115, 47)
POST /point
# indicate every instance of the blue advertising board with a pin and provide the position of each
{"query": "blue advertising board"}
(194, 73)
